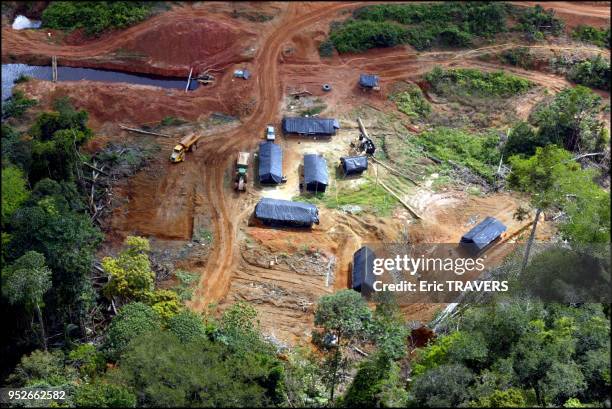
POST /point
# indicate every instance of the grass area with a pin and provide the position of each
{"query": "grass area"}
(471, 82)
(478, 152)
(95, 16)
(314, 110)
(453, 24)
(592, 35)
(369, 196)
(170, 120)
(411, 102)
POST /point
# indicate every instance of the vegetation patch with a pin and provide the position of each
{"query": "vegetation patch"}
(16, 105)
(412, 102)
(95, 16)
(253, 16)
(361, 35)
(592, 35)
(478, 152)
(519, 57)
(471, 82)
(453, 24)
(314, 110)
(536, 22)
(593, 72)
(369, 196)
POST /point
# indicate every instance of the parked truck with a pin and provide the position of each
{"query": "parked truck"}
(242, 166)
(188, 143)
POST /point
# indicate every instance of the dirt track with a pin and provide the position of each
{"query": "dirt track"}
(164, 199)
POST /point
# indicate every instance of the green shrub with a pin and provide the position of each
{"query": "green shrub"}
(16, 105)
(464, 81)
(478, 18)
(411, 102)
(520, 57)
(357, 35)
(523, 139)
(477, 152)
(326, 49)
(94, 16)
(593, 72)
(537, 22)
(22, 78)
(593, 35)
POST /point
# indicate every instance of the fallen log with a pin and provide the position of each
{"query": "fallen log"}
(406, 205)
(143, 131)
(397, 172)
(94, 168)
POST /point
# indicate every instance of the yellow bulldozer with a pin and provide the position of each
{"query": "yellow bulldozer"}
(188, 143)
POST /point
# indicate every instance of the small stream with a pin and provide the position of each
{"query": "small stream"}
(10, 72)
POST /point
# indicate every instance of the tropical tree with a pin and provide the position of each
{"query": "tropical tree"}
(131, 277)
(549, 176)
(344, 316)
(25, 282)
(14, 191)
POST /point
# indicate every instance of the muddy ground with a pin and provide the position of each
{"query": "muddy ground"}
(196, 221)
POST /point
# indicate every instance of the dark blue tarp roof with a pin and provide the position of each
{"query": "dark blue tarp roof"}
(484, 233)
(368, 80)
(270, 163)
(310, 126)
(363, 270)
(315, 169)
(287, 212)
(354, 164)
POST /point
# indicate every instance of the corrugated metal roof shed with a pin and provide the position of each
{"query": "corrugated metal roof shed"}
(353, 165)
(286, 212)
(316, 177)
(270, 163)
(368, 80)
(483, 233)
(310, 126)
(363, 270)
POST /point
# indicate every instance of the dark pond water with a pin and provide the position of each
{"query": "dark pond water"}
(10, 72)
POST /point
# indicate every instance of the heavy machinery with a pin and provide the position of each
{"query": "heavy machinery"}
(364, 144)
(242, 166)
(188, 143)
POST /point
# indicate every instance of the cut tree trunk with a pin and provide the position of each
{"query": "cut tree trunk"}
(531, 239)
(42, 326)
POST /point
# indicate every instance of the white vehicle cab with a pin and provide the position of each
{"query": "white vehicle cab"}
(270, 134)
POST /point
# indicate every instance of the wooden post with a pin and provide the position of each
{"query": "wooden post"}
(189, 80)
(54, 68)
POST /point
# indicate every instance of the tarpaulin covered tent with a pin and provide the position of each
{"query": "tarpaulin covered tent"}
(310, 126)
(483, 233)
(363, 270)
(286, 213)
(354, 165)
(270, 163)
(368, 80)
(316, 178)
